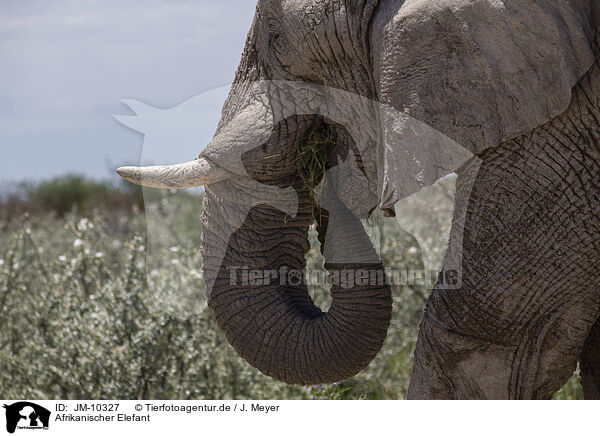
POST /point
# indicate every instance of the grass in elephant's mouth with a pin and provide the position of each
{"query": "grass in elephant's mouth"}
(312, 162)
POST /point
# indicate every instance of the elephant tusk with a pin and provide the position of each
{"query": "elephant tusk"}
(185, 175)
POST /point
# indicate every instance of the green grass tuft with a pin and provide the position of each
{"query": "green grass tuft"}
(312, 163)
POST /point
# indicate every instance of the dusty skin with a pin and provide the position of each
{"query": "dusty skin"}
(516, 84)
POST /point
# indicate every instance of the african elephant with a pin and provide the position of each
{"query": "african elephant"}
(517, 84)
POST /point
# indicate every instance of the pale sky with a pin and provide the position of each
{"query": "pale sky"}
(66, 64)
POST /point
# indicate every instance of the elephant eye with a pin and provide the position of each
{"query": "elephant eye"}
(274, 30)
(274, 25)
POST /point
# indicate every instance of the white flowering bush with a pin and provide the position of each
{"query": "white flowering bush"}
(87, 311)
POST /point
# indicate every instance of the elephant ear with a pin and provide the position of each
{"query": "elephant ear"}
(479, 72)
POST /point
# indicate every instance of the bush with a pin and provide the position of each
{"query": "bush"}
(70, 193)
(85, 311)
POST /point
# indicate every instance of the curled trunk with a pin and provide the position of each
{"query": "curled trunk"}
(273, 323)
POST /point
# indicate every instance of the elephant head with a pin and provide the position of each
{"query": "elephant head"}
(478, 71)
(258, 161)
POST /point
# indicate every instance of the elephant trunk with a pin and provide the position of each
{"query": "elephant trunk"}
(264, 307)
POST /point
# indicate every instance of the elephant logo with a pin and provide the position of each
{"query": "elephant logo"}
(26, 415)
(415, 151)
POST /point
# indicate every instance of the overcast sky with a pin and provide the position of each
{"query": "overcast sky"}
(66, 64)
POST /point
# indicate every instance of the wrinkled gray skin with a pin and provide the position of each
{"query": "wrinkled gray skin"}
(515, 82)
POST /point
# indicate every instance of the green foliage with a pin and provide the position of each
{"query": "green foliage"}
(70, 193)
(311, 163)
(571, 390)
(334, 391)
(313, 157)
(67, 193)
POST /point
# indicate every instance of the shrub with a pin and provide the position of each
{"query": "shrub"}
(70, 193)
(85, 313)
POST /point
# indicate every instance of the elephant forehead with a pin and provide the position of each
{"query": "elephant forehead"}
(481, 71)
(297, 6)
(428, 9)
(324, 42)
(432, 10)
